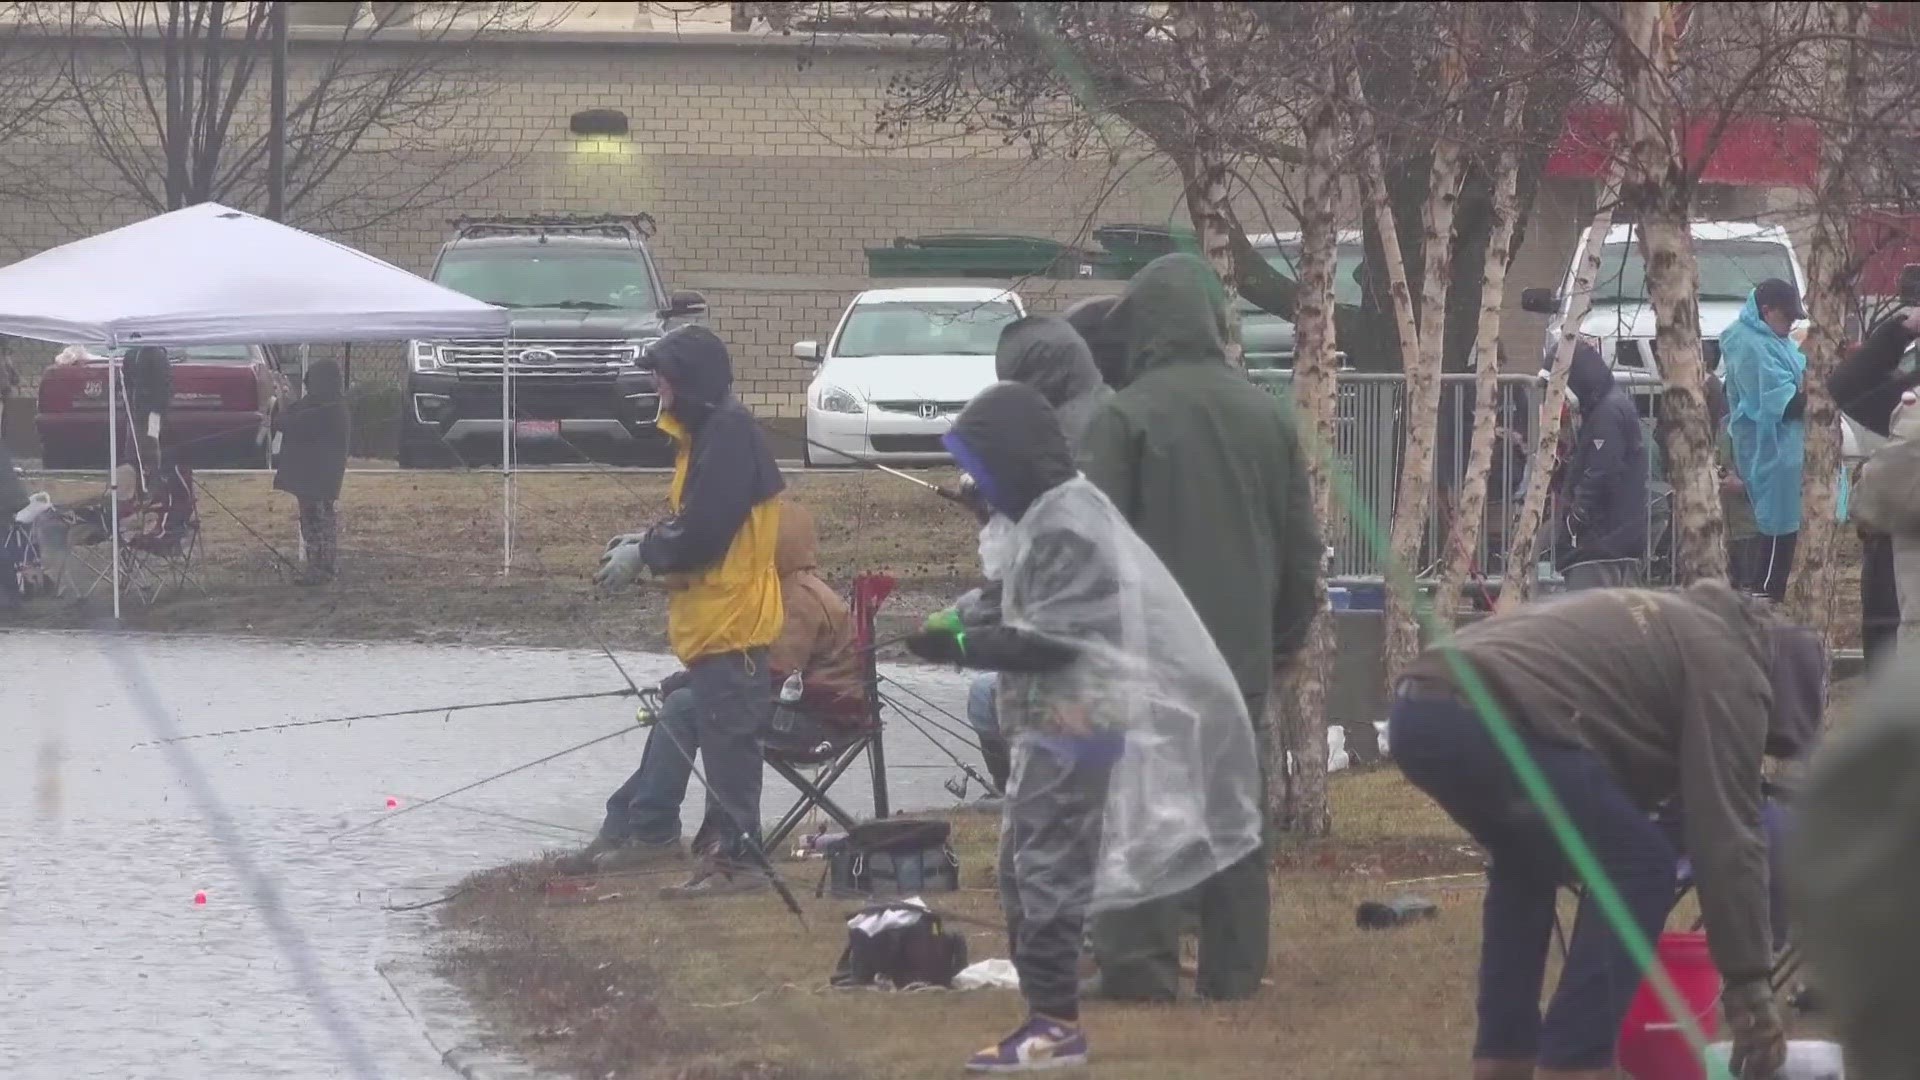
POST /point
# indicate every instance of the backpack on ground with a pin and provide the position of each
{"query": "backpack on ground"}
(899, 945)
(891, 857)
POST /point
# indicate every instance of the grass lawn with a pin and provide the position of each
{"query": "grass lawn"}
(605, 980)
(421, 557)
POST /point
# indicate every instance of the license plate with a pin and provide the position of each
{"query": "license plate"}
(536, 429)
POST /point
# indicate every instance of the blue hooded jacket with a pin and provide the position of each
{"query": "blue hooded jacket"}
(1763, 373)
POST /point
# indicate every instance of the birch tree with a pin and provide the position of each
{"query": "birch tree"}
(1420, 345)
(1522, 542)
(1302, 796)
(1659, 186)
(1841, 101)
(1469, 516)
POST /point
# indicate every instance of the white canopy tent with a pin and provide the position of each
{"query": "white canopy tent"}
(209, 275)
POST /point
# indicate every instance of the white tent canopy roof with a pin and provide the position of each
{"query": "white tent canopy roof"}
(207, 275)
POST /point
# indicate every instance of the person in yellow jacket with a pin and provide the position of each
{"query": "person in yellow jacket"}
(716, 556)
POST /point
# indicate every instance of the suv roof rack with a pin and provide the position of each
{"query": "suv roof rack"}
(635, 227)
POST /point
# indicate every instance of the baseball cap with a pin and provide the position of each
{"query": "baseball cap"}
(1774, 293)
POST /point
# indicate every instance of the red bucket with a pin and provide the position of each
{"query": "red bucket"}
(1652, 1046)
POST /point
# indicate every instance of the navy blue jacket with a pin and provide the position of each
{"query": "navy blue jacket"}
(1601, 505)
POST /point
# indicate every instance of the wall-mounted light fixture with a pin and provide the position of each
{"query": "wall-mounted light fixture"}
(601, 122)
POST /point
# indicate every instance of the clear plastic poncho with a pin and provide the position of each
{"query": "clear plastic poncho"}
(1182, 798)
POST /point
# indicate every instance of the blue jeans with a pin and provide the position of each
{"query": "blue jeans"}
(719, 715)
(982, 713)
(1442, 747)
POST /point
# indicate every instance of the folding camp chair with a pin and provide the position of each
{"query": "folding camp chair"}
(830, 759)
(159, 554)
(1786, 958)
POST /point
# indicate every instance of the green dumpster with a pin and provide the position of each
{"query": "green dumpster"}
(1127, 248)
(975, 255)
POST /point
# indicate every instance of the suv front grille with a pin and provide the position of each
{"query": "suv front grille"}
(532, 357)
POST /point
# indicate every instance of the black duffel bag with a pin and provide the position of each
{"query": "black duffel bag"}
(894, 857)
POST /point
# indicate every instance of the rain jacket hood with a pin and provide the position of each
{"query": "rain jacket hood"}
(1763, 372)
(1009, 440)
(1048, 354)
(1089, 319)
(695, 361)
(1173, 312)
(1589, 377)
(323, 383)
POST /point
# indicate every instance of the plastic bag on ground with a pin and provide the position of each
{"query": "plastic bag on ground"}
(994, 974)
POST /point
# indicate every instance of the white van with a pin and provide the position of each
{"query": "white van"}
(1733, 257)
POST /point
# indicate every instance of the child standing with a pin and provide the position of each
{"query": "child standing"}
(1134, 773)
(313, 461)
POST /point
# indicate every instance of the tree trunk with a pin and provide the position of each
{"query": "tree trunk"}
(1658, 184)
(1299, 803)
(1422, 343)
(1470, 510)
(1526, 527)
(1829, 268)
(1205, 179)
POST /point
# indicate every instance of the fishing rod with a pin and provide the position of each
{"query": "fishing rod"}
(447, 709)
(379, 821)
(745, 837)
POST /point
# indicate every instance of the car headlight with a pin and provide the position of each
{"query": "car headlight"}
(426, 356)
(835, 400)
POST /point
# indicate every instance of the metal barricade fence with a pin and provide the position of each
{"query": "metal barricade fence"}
(1368, 447)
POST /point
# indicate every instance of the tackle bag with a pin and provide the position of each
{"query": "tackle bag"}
(899, 945)
(892, 857)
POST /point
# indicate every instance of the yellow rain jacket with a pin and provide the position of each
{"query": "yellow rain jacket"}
(717, 550)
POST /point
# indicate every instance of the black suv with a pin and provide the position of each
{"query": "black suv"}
(585, 299)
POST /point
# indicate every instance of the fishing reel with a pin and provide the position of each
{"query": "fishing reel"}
(648, 711)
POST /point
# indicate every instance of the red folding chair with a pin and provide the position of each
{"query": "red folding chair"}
(160, 553)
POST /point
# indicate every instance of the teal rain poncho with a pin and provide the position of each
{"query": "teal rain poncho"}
(1764, 371)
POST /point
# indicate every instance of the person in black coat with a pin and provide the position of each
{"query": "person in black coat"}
(313, 462)
(1600, 522)
(1867, 386)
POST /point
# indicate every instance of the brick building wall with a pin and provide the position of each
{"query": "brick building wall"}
(755, 153)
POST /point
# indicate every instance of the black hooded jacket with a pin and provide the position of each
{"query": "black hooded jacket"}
(730, 468)
(1867, 385)
(1602, 497)
(1009, 440)
(314, 437)
(1048, 354)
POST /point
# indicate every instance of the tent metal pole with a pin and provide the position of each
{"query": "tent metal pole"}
(506, 459)
(113, 471)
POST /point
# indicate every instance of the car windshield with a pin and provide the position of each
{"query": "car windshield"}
(925, 328)
(556, 278)
(239, 355)
(1286, 258)
(1729, 269)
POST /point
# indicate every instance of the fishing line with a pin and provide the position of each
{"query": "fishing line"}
(436, 709)
(379, 821)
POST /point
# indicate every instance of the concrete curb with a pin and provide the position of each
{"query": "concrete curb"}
(446, 1020)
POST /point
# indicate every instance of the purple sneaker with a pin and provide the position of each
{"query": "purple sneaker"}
(1041, 1043)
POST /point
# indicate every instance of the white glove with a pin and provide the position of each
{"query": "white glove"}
(620, 564)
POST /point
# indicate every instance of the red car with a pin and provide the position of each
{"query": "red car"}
(225, 409)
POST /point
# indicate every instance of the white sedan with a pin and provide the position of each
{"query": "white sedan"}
(901, 364)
